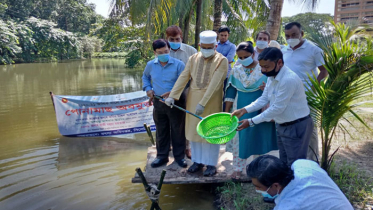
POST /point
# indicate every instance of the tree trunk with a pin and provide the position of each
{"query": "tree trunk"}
(218, 7)
(198, 23)
(274, 18)
(181, 19)
(186, 23)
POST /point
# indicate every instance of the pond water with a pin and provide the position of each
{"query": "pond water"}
(40, 169)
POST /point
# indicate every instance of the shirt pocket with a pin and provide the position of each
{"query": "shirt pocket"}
(169, 77)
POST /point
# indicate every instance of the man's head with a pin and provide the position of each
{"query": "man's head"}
(262, 39)
(175, 36)
(293, 33)
(207, 43)
(161, 49)
(271, 61)
(269, 175)
(223, 34)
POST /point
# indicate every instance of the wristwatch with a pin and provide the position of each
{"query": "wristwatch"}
(251, 122)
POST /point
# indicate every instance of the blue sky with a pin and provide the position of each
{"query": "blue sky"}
(290, 9)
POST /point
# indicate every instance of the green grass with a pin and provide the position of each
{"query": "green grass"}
(109, 54)
(354, 183)
(241, 196)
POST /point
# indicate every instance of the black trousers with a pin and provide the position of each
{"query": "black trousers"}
(225, 86)
(170, 125)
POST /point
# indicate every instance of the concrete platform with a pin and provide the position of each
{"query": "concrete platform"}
(178, 175)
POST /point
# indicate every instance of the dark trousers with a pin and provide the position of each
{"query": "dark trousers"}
(293, 140)
(225, 86)
(170, 125)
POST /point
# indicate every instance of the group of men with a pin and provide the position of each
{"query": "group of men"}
(195, 81)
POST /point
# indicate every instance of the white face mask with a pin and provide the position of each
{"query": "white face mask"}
(293, 42)
(261, 44)
(207, 52)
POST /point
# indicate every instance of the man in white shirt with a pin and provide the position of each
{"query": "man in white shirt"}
(304, 58)
(304, 186)
(262, 40)
(288, 107)
(181, 52)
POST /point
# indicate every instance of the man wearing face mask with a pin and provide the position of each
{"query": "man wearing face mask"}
(304, 185)
(288, 107)
(304, 58)
(179, 50)
(207, 71)
(262, 41)
(159, 77)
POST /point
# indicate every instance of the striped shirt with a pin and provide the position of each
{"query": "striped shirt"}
(183, 53)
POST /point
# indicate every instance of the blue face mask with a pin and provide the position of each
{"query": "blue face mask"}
(175, 45)
(266, 194)
(163, 57)
(247, 61)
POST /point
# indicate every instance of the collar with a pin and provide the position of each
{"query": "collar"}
(304, 45)
(171, 60)
(281, 74)
(181, 48)
(225, 43)
(290, 187)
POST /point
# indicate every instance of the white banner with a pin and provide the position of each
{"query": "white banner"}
(103, 115)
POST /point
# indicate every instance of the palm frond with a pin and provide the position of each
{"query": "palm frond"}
(350, 65)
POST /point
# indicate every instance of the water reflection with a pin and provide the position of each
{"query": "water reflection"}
(39, 169)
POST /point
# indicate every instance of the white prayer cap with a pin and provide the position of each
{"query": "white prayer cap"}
(274, 43)
(207, 37)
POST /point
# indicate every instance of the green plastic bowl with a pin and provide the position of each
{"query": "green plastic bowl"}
(218, 128)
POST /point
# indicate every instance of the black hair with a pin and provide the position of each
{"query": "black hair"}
(247, 46)
(263, 32)
(268, 169)
(224, 28)
(159, 43)
(271, 54)
(290, 25)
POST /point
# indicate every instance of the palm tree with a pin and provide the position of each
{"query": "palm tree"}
(349, 63)
(245, 18)
(218, 7)
(274, 18)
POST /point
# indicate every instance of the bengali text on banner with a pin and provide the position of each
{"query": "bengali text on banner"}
(104, 115)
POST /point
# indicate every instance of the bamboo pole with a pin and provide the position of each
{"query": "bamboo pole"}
(151, 135)
(147, 187)
(149, 132)
(163, 174)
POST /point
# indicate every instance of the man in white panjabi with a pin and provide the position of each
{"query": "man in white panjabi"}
(207, 71)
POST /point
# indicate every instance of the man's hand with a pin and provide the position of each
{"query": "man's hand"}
(262, 86)
(199, 109)
(150, 93)
(169, 101)
(244, 124)
(165, 95)
(239, 113)
(150, 101)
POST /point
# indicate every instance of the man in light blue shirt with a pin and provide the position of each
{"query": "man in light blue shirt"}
(159, 77)
(226, 48)
(304, 185)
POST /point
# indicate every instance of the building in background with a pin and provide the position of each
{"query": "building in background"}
(353, 10)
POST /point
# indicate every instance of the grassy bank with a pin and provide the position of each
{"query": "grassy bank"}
(109, 54)
(352, 169)
(354, 183)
